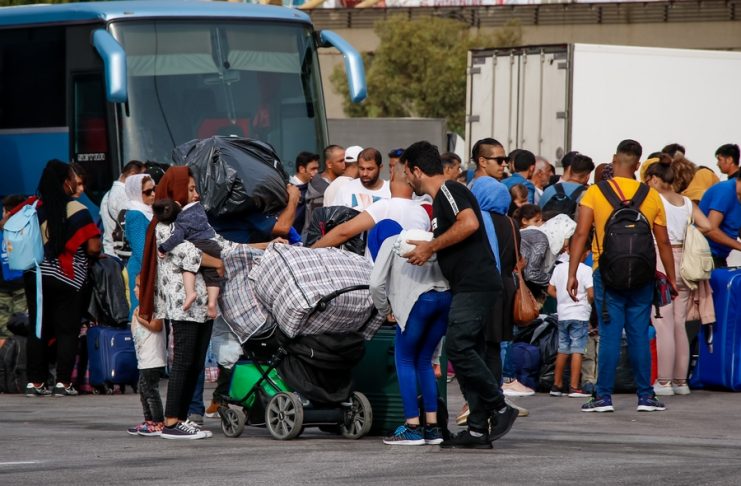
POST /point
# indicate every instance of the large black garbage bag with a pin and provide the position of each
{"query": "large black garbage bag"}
(235, 174)
(323, 220)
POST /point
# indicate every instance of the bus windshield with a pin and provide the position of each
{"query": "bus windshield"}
(195, 79)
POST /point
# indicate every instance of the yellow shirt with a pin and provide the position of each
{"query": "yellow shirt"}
(652, 208)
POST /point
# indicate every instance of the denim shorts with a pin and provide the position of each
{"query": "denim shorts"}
(572, 337)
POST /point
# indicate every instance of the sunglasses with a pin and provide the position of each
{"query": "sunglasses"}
(148, 192)
(499, 160)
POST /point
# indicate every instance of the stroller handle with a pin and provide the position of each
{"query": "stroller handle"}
(324, 301)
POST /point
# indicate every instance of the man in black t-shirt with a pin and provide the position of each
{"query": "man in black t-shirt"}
(466, 260)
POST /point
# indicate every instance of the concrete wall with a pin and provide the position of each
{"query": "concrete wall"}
(700, 35)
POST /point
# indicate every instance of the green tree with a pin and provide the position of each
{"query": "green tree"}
(419, 69)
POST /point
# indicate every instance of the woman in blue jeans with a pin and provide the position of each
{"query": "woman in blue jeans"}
(418, 299)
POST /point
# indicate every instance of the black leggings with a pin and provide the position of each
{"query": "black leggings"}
(149, 392)
(61, 320)
(190, 343)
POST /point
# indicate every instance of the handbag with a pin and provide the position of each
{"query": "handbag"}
(697, 261)
(525, 308)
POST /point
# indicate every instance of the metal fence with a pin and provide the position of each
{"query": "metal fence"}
(544, 14)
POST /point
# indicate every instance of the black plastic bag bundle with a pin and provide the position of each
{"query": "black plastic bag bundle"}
(235, 174)
(323, 220)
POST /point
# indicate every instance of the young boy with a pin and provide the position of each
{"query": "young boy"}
(191, 224)
(573, 324)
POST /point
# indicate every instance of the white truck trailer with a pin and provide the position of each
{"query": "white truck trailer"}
(556, 98)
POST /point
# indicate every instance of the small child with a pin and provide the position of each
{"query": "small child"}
(149, 341)
(191, 224)
(573, 323)
(519, 196)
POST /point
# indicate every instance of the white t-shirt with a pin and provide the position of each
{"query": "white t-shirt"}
(567, 309)
(355, 195)
(150, 346)
(113, 202)
(331, 192)
(676, 219)
(408, 213)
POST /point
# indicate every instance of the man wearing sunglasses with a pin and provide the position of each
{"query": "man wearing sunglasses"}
(490, 159)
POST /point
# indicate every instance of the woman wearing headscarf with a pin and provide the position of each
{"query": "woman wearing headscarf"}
(161, 297)
(70, 239)
(139, 190)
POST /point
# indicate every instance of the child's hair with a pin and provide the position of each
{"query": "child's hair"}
(166, 210)
(518, 191)
(10, 202)
(526, 211)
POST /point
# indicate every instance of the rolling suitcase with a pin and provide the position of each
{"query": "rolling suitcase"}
(111, 356)
(719, 363)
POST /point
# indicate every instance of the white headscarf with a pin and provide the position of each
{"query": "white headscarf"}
(134, 194)
(558, 229)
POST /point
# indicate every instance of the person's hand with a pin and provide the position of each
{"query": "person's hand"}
(161, 255)
(390, 317)
(280, 240)
(421, 253)
(220, 269)
(294, 194)
(673, 288)
(572, 287)
(437, 370)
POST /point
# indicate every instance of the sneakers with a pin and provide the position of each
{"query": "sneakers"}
(596, 404)
(182, 431)
(151, 429)
(516, 389)
(501, 422)
(556, 391)
(433, 435)
(64, 391)
(578, 393)
(663, 390)
(36, 391)
(404, 435)
(462, 418)
(464, 440)
(521, 411)
(680, 389)
(198, 426)
(213, 409)
(650, 404)
(136, 428)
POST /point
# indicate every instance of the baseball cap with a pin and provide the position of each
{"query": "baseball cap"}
(351, 153)
(396, 153)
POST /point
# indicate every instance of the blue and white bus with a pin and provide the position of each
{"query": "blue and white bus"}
(103, 83)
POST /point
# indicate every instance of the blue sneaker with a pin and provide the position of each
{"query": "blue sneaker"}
(650, 404)
(596, 404)
(403, 435)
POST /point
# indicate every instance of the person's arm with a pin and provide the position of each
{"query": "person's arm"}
(665, 253)
(584, 221)
(379, 278)
(176, 237)
(466, 224)
(155, 325)
(552, 291)
(590, 294)
(288, 215)
(715, 219)
(340, 234)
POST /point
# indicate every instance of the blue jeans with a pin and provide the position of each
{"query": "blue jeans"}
(196, 406)
(629, 310)
(414, 346)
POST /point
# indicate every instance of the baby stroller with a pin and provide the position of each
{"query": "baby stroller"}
(287, 384)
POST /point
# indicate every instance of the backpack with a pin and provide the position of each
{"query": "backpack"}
(24, 245)
(13, 365)
(627, 257)
(561, 203)
(121, 246)
(697, 261)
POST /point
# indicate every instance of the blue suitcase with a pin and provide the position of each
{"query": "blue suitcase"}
(719, 363)
(111, 356)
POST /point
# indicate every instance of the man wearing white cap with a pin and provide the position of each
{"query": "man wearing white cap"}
(351, 172)
(369, 187)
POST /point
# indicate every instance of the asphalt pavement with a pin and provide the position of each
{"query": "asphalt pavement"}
(83, 440)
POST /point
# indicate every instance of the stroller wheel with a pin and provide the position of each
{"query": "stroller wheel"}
(232, 421)
(358, 418)
(284, 416)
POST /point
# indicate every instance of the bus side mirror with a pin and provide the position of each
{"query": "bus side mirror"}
(353, 64)
(114, 62)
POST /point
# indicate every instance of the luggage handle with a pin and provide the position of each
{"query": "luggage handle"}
(324, 301)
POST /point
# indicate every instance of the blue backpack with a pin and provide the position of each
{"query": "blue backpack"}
(24, 246)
